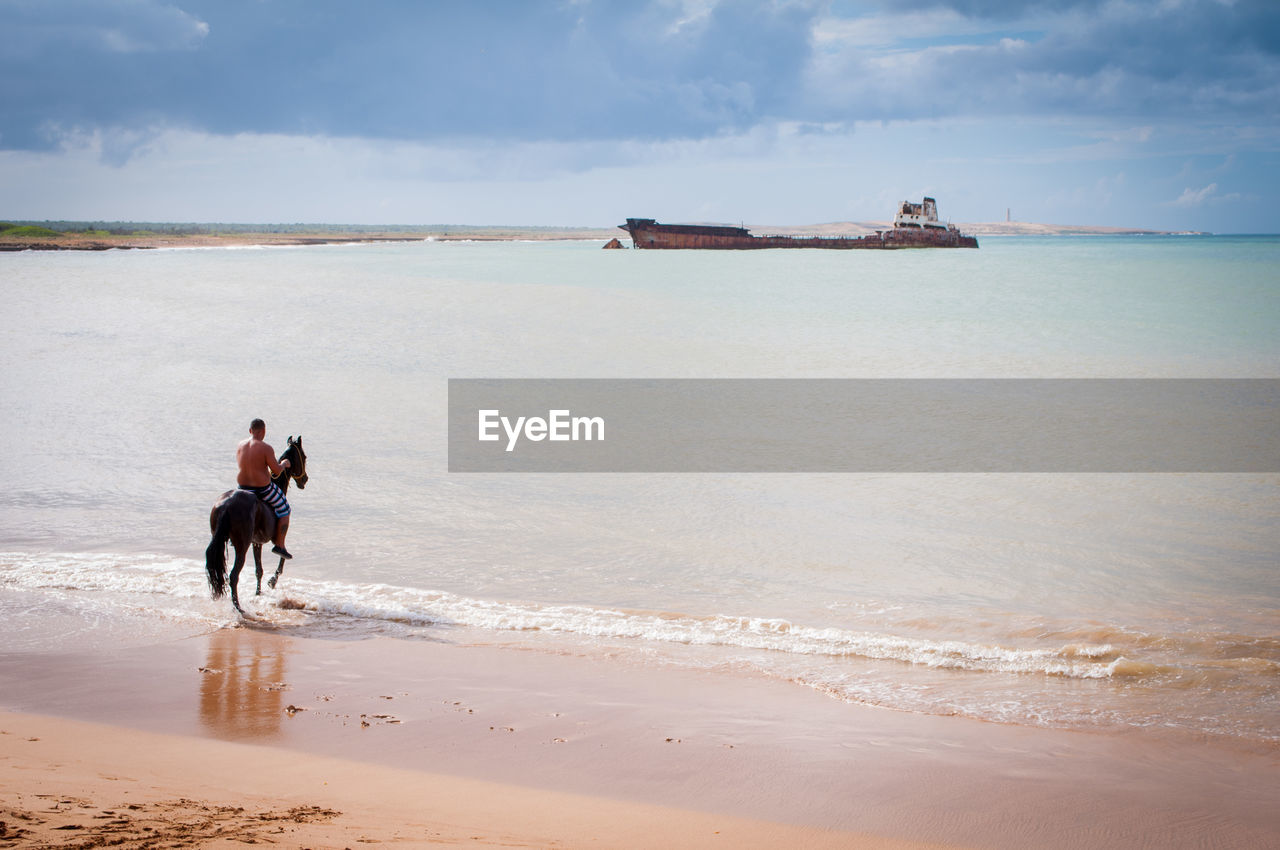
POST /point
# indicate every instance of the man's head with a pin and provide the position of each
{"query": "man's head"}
(257, 428)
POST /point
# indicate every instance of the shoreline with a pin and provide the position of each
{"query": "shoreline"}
(784, 763)
(75, 241)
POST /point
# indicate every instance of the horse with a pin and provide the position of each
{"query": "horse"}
(244, 519)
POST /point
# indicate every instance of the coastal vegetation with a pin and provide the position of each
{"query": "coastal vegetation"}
(102, 235)
(81, 228)
(8, 229)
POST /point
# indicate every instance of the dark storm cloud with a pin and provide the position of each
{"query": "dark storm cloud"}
(1192, 60)
(81, 62)
(615, 69)
(407, 70)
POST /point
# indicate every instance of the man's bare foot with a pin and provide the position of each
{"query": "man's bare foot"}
(282, 552)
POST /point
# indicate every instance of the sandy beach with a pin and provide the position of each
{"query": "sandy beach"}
(251, 734)
(74, 784)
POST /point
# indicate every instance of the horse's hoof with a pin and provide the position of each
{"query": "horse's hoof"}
(271, 582)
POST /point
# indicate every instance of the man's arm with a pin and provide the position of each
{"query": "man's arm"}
(272, 464)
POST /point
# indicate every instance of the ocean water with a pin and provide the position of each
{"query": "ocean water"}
(1103, 601)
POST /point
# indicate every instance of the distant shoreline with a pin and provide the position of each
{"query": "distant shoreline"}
(103, 237)
(97, 241)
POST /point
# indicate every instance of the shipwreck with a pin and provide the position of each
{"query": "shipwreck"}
(914, 226)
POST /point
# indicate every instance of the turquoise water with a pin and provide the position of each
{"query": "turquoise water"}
(1066, 600)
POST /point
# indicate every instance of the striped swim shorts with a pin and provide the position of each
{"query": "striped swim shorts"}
(270, 494)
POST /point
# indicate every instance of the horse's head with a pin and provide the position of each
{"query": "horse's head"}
(297, 461)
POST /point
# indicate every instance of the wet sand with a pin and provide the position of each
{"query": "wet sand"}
(429, 742)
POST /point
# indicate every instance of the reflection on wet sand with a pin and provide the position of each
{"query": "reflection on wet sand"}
(242, 685)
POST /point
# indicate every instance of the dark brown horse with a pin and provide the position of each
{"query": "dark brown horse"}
(244, 519)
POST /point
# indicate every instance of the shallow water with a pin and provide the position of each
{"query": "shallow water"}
(1067, 600)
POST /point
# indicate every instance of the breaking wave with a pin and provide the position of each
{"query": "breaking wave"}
(1166, 679)
(175, 587)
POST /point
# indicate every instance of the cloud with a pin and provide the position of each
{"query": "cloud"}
(620, 69)
(1191, 198)
(184, 175)
(452, 94)
(409, 70)
(33, 28)
(1195, 197)
(770, 174)
(1122, 58)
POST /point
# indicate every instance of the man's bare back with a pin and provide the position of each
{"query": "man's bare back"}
(257, 462)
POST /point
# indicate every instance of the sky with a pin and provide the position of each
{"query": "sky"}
(1160, 114)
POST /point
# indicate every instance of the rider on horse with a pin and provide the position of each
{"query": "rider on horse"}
(257, 462)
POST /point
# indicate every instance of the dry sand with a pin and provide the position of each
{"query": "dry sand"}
(72, 784)
(424, 741)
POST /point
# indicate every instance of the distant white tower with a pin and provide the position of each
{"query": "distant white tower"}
(1006, 214)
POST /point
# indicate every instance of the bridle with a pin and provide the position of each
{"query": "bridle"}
(298, 467)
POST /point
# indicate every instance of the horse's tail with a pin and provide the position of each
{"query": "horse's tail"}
(215, 557)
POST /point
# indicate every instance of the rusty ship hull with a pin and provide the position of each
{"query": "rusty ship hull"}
(915, 226)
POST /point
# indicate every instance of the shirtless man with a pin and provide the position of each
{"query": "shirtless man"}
(257, 462)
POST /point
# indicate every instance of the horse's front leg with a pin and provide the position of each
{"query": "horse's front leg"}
(271, 582)
(235, 577)
(257, 567)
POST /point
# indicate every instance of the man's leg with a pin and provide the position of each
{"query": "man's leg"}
(282, 527)
(278, 503)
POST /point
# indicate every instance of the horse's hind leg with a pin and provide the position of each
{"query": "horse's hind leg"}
(235, 577)
(271, 582)
(257, 567)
